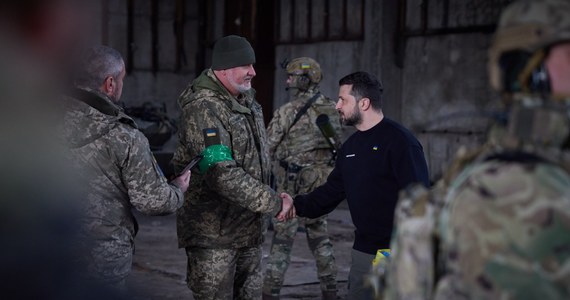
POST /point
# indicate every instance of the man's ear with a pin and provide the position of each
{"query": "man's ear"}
(364, 103)
(109, 85)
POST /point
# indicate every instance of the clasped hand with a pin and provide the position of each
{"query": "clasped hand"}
(287, 208)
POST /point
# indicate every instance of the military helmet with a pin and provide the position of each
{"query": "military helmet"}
(305, 66)
(528, 26)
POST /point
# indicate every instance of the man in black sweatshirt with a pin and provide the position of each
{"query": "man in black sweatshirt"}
(372, 166)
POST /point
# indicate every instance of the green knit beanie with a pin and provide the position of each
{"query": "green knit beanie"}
(232, 51)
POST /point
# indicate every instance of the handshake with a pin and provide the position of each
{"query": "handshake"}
(287, 208)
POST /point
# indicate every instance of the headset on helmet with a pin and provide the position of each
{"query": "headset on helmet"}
(525, 32)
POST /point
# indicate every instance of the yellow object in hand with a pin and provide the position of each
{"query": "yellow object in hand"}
(381, 255)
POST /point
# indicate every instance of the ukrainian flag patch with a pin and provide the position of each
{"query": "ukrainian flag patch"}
(211, 132)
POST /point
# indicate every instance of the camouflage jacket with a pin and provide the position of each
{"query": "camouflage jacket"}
(119, 169)
(497, 226)
(302, 144)
(224, 207)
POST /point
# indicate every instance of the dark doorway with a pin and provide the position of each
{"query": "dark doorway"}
(254, 19)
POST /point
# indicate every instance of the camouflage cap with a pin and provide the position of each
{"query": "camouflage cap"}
(528, 25)
(305, 66)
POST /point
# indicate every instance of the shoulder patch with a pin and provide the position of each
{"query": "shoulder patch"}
(211, 136)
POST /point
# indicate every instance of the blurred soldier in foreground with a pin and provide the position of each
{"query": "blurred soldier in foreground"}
(118, 167)
(304, 158)
(222, 220)
(37, 202)
(497, 225)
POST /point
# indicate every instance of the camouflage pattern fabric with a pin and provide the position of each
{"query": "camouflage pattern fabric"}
(225, 208)
(214, 270)
(302, 145)
(280, 256)
(120, 173)
(498, 228)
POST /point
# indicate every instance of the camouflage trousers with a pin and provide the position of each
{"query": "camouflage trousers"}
(280, 255)
(108, 255)
(224, 273)
(110, 267)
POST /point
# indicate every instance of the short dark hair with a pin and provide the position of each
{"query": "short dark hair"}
(364, 85)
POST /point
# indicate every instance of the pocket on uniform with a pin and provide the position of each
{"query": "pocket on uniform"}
(311, 177)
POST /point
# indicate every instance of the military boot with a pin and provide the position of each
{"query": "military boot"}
(270, 297)
(329, 295)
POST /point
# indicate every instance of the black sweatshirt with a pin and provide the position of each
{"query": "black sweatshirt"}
(371, 168)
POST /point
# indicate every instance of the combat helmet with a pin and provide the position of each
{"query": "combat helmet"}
(306, 73)
(525, 31)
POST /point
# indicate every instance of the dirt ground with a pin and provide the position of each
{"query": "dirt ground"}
(159, 267)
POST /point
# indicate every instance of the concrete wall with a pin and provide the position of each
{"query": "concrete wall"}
(142, 84)
(444, 75)
(438, 84)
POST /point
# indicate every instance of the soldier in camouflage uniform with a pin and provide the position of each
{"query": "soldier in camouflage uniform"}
(222, 220)
(497, 225)
(303, 159)
(120, 171)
